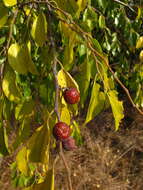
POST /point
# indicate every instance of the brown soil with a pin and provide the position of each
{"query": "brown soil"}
(108, 160)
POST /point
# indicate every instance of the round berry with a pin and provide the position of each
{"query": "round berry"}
(71, 96)
(61, 131)
(69, 144)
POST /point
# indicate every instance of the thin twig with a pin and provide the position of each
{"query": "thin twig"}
(56, 107)
(66, 166)
(124, 4)
(123, 154)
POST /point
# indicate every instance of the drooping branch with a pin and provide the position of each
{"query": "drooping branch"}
(56, 107)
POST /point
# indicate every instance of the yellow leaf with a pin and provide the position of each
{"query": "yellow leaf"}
(22, 162)
(66, 80)
(117, 107)
(17, 57)
(47, 184)
(10, 3)
(38, 145)
(81, 6)
(39, 29)
(139, 43)
(65, 115)
(9, 86)
(96, 103)
(141, 56)
(3, 15)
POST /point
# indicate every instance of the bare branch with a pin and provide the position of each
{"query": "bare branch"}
(66, 166)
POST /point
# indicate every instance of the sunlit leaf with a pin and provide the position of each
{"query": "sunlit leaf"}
(65, 115)
(96, 103)
(9, 86)
(47, 184)
(141, 56)
(39, 29)
(139, 43)
(17, 57)
(102, 21)
(86, 76)
(66, 80)
(22, 162)
(117, 107)
(10, 3)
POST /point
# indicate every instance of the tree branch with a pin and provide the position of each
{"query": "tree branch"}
(56, 107)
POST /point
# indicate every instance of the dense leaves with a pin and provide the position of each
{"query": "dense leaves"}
(92, 43)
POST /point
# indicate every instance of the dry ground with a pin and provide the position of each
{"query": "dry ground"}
(107, 160)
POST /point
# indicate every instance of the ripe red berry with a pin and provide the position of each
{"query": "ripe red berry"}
(71, 96)
(61, 131)
(69, 144)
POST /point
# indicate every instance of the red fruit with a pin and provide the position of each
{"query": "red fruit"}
(61, 131)
(69, 144)
(71, 96)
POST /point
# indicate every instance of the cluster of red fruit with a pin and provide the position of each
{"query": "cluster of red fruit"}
(61, 130)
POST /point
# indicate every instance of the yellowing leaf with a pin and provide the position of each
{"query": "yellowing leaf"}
(139, 43)
(141, 56)
(81, 6)
(38, 145)
(3, 15)
(24, 109)
(39, 29)
(47, 184)
(9, 86)
(117, 107)
(10, 3)
(66, 80)
(20, 60)
(22, 162)
(17, 57)
(65, 115)
(31, 67)
(96, 103)
(102, 23)
(86, 75)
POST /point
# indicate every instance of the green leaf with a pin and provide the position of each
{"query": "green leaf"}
(24, 109)
(10, 3)
(117, 107)
(20, 60)
(37, 145)
(96, 103)
(68, 61)
(47, 184)
(3, 15)
(39, 29)
(97, 45)
(23, 132)
(3, 141)
(81, 6)
(17, 57)
(9, 86)
(102, 23)
(22, 162)
(84, 79)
